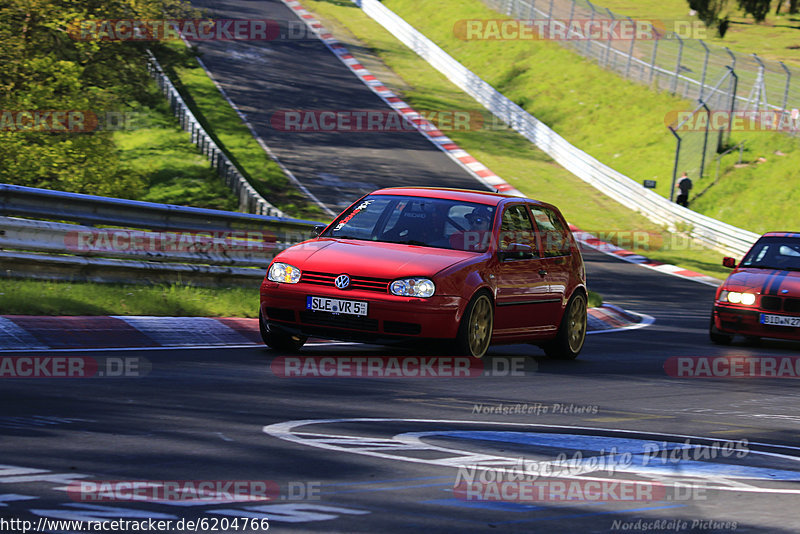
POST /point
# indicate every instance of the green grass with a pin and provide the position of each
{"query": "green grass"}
(36, 297)
(772, 39)
(154, 147)
(595, 299)
(223, 124)
(507, 153)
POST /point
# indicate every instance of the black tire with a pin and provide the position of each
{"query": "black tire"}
(716, 336)
(571, 332)
(278, 339)
(475, 330)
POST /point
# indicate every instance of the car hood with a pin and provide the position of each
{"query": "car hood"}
(765, 281)
(371, 258)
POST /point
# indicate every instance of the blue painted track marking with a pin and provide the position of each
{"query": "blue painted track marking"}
(639, 462)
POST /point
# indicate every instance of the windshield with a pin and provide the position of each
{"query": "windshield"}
(774, 253)
(429, 222)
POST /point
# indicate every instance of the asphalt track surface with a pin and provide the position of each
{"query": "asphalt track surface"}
(264, 78)
(200, 415)
(224, 415)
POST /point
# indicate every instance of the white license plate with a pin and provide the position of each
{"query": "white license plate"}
(780, 320)
(349, 307)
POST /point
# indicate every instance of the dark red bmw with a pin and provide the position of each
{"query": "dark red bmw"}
(432, 264)
(761, 297)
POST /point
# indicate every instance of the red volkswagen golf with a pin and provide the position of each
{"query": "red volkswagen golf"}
(432, 264)
(761, 297)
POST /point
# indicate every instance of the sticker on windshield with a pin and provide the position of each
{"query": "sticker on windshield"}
(361, 207)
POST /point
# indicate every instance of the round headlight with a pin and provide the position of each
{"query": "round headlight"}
(283, 272)
(734, 297)
(748, 299)
(413, 287)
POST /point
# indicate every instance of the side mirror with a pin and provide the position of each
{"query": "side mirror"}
(318, 229)
(729, 262)
(516, 251)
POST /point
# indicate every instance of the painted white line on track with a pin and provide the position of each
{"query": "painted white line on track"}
(285, 431)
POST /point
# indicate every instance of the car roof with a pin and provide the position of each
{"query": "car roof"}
(781, 234)
(465, 195)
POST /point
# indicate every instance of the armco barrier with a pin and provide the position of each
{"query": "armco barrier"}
(142, 242)
(711, 232)
(249, 199)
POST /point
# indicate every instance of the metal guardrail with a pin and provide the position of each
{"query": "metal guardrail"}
(711, 232)
(249, 199)
(119, 240)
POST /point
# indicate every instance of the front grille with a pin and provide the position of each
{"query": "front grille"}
(791, 305)
(356, 282)
(771, 303)
(398, 327)
(280, 314)
(339, 320)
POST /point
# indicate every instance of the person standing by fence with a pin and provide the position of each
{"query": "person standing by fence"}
(684, 186)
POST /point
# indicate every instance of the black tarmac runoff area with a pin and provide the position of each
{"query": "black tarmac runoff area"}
(614, 441)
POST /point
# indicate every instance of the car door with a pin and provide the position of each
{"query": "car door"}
(523, 302)
(556, 252)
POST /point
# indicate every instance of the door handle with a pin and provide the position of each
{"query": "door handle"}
(542, 272)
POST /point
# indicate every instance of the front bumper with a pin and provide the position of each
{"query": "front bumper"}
(389, 317)
(746, 322)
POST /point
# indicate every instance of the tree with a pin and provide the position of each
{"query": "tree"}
(757, 8)
(793, 5)
(44, 68)
(708, 10)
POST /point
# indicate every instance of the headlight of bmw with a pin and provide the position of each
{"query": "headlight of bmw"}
(413, 287)
(735, 297)
(283, 272)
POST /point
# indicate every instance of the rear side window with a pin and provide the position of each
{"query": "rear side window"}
(517, 228)
(554, 234)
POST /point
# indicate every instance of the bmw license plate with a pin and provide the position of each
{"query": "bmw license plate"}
(780, 320)
(350, 307)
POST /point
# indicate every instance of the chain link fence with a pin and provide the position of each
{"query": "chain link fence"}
(723, 83)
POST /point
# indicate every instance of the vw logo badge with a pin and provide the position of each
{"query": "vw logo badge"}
(342, 281)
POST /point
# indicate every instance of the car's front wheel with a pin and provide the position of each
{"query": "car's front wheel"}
(572, 331)
(475, 331)
(278, 339)
(716, 336)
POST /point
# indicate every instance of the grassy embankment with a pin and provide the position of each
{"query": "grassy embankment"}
(562, 89)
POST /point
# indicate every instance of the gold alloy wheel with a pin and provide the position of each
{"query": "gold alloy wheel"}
(577, 323)
(480, 326)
